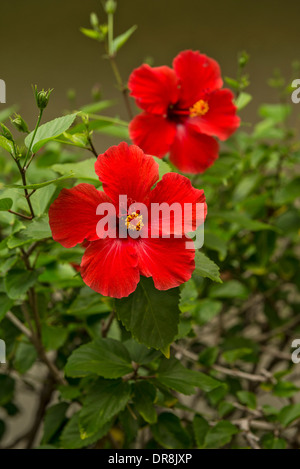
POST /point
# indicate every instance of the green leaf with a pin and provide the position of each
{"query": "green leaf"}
(98, 106)
(37, 229)
(41, 184)
(84, 170)
(175, 376)
(139, 353)
(216, 243)
(243, 100)
(7, 112)
(241, 220)
(206, 268)
(55, 417)
(91, 33)
(288, 414)
(232, 356)
(99, 123)
(225, 408)
(105, 399)
(7, 144)
(103, 357)
(113, 130)
(201, 428)
(230, 289)
(169, 432)
(285, 389)
(144, 397)
(6, 204)
(208, 356)
(26, 356)
(277, 113)
(206, 310)
(71, 439)
(54, 336)
(147, 311)
(232, 82)
(119, 41)
(7, 387)
(87, 303)
(163, 167)
(270, 441)
(288, 192)
(5, 305)
(248, 398)
(220, 435)
(18, 281)
(49, 131)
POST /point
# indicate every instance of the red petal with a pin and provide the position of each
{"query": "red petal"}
(154, 88)
(193, 152)
(154, 134)
(221, 119)
(110, 267)
(198, 74)
(167, 260)
(126, 170)
(72, 216)
(175, 188)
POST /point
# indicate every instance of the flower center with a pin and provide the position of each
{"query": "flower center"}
(200, 108)
(134, 221)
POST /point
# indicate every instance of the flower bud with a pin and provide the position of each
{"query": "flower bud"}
(243, 59)
(110, 7)
(19, 123)
(42, 97)
(96, 93)
(94, 20)
(6, 133)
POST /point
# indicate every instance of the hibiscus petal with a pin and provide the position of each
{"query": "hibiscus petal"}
(72, 216)
(188, 212)
(154, 88)
(110, 267)
(166, 260)
(198, 74)
(126, 170)
(193, 152)
(221, 119)
(154, 134)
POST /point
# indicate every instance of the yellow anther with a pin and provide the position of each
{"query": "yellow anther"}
(200, 108)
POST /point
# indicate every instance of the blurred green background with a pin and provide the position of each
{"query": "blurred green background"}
(41, 44)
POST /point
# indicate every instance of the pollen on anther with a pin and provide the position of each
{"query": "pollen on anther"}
(134, 221)
(200, 108)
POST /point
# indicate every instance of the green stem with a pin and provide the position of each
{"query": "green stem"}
(23, 176)
(111, 34)
(33, 136)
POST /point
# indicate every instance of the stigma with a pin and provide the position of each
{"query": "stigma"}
(134, 221)
(200, 108)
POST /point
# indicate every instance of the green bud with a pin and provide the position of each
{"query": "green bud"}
(243, 59)
(19, 123)
(71, 95)
(94, 20)
(85, 118)
(96, 93)
(42, 97)
(18, 152)
(6, 133)
(110, 7)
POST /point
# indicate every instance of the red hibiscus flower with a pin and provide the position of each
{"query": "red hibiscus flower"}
(112, 265)
(184, 108)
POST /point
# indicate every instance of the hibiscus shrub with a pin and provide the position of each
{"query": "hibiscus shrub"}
(150, 342)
